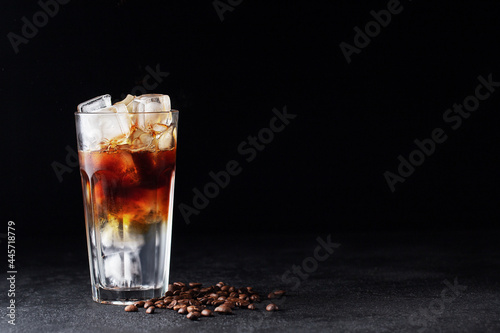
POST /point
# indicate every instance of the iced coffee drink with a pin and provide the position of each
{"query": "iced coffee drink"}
(127, 163)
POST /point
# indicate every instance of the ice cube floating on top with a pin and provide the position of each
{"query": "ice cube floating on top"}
(134, 118)
(143, 103)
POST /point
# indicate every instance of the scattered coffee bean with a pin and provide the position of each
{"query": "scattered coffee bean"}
(223, 309)
(131, 308)
(192, 300)
(272, 307)
(192, 316)
(206, 313)
(194, 284)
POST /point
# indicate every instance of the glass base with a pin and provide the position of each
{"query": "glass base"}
(125, 296)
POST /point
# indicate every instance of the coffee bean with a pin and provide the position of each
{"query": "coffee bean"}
(251, 306)
(279, 293)
(183, 310)
(192, 316)
(139, 304)
(223, 309)
(244, 303)
(271, 296)
(194, 284)
(193, 308)
(194, 302)
(224, 288)
(255, 298)
(243, 296)
(131, 308)
(178, 306)
(150, 310)
(272, 307)
(169, 293)
(148, 304)
(179, 284)
(206, 313)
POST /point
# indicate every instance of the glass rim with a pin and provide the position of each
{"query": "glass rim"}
(131, 113)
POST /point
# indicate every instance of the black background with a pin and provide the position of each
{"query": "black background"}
(324, 172)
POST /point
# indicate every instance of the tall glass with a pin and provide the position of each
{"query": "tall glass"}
(128, 192)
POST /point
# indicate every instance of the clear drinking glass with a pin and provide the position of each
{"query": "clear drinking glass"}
(128, 192)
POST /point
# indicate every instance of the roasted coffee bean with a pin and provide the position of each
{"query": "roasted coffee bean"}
(271, 296)
(205, 290)
(148, 304)
(242, 291)
(153, 299)
(203, 300)
(177, 292)
(194, 302)
(139, 304)
(244, 303)
(184, 288)
(178, 306)
(183, 301)
(221, 298)
(223, 309)
(233, 294)
(171, 288)
(232, 289)
(194, 284)
(224, 288)
(131, 308)
(243, 296)
(214, 295)
(206, 313)
(229, 304)
(183, 310)
(193, 308)
(150, 310)
(179, 284)
(279, 293)
(192, 316)
(169, 293)
(272, 307)
(255, 298)
(216, 303)
(251, 306)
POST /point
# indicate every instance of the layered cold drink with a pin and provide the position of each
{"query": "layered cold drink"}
(127, 163)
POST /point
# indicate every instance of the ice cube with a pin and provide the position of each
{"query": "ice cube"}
(123, 269)
(147, 103)
(112, 123)
(166, 141)
(95, 104)
(151, 103)
(128, 102)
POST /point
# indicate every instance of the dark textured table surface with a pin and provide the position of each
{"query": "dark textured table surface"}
(369, 283)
